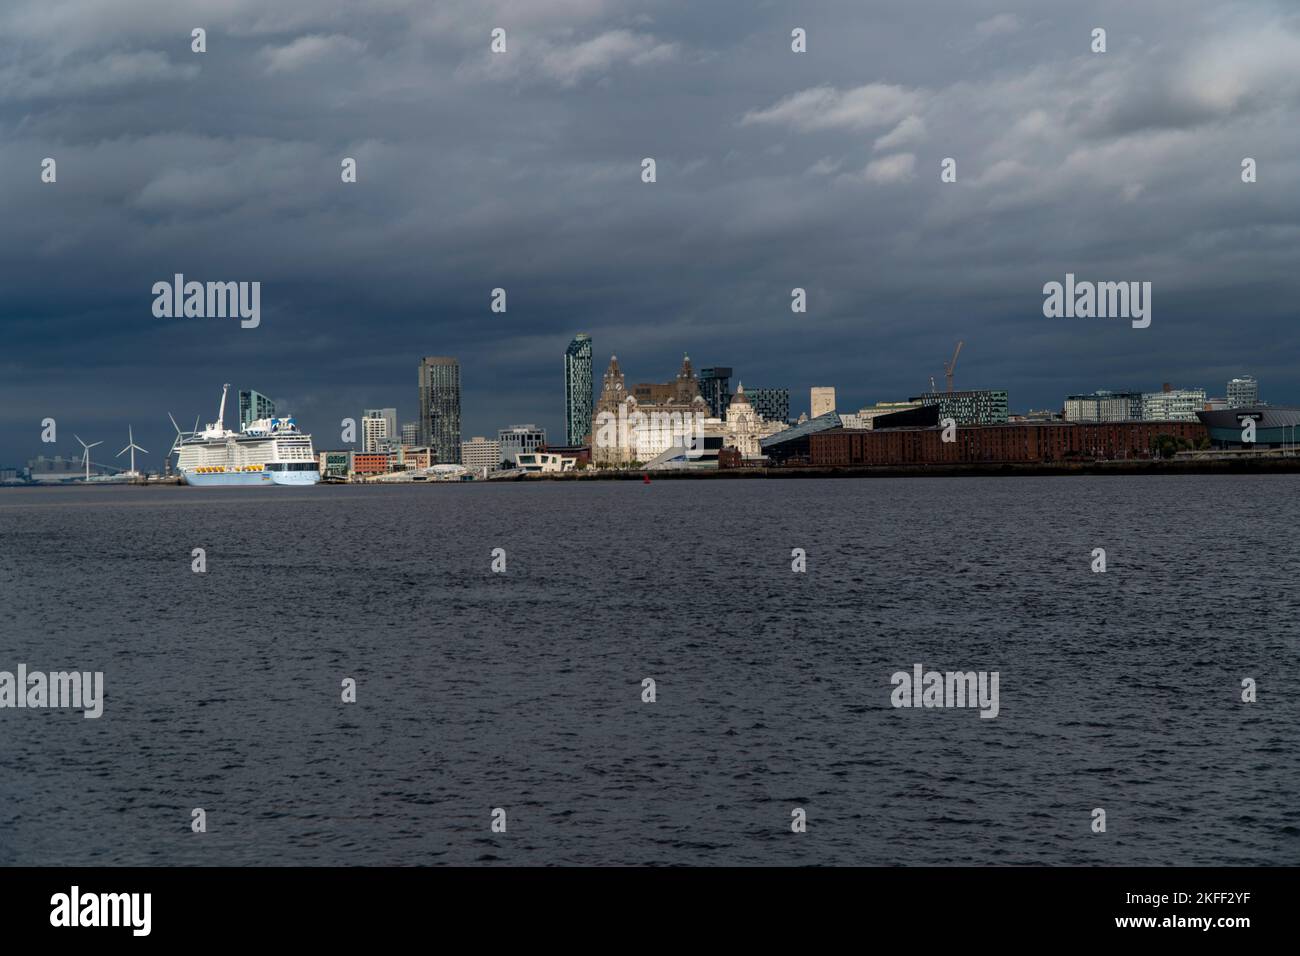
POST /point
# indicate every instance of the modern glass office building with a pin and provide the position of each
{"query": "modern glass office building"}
(440, 407)
(577, 389)
(975, 407)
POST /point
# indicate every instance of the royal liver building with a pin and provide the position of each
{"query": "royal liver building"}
(629, 428)
(640, 423)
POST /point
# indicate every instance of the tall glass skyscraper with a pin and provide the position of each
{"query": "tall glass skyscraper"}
(440, 407)
(577, 389)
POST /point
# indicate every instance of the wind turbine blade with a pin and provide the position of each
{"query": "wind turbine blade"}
(122, 452)
(145, 450)
(174, 425)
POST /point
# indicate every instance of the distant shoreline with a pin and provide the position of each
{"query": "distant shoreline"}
(1217, 466)
(969, 470)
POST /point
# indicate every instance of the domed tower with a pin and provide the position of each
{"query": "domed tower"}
(740, 409)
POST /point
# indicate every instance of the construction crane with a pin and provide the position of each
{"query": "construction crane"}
(949, 366)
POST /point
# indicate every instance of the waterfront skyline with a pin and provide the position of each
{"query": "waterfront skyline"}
(797, 171)
(444, 389)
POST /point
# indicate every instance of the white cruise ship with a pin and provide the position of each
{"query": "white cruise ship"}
(270, 451)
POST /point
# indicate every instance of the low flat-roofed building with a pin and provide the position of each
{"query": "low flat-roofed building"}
(1021, 442)
(370, 464)
(334, 464)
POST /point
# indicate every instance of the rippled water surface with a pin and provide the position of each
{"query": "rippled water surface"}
(523, 690)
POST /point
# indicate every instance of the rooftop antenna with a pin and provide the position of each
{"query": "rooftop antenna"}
(86, 455)
(133, 448)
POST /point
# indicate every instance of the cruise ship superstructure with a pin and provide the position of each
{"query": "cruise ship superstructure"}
(269, 451)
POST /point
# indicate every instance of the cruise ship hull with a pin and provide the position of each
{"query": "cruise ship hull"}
(214, 479)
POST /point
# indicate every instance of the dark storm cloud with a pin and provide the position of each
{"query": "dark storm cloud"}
(522, 171)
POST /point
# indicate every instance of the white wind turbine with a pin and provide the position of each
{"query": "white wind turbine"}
(133, 448)
(87, 452)
(180, 436)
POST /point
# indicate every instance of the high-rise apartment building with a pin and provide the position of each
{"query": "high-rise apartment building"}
(253, 406)
(377, 426)
(440, 407)
(373, 431)
(410, 433)
(577, 389)
(389, 415)
(715, 387)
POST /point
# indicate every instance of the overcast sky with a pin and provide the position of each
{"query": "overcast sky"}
(523, 170)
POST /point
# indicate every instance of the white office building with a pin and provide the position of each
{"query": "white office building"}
(1243, 392)
(1173, 405)
(520, 439)
(1104, 406)
(480, 453)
